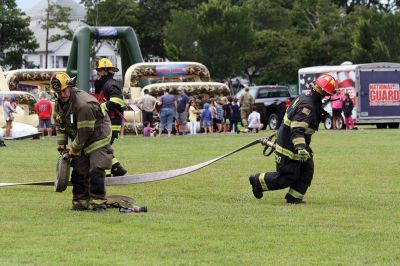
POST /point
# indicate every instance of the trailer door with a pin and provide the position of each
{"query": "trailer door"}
(379, 93)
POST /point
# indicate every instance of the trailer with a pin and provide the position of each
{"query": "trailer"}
(374, 89)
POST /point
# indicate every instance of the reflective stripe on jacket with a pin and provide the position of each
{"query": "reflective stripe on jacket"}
(82, 120)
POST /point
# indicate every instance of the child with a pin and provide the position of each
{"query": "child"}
(254, 120)
(235, 116)
(147, 130)
(192, 117)
(206, 118)
(348, 110)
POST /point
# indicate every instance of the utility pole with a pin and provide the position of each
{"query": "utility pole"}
(47, 34)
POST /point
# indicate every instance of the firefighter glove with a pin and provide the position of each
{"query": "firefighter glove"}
(303, 154)
(61, 148)
(104, 108)
(72, 152)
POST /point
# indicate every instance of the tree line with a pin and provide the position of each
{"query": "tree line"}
(265, 40)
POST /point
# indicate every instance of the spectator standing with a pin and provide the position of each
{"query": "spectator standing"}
(168, 107)
(219, 115)
(347, 111)
(246, 103)
(227, 108)
(213, 111)
(235, 117)
(337, 104)
(147, 104)
(44, 110)
(8, 111)
(193, 117)
(206, 118)
(254, 120)
(182, 110)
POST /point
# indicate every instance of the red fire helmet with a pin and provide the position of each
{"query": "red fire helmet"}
(327, 83)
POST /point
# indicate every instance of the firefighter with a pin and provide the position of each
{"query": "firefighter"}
(109, 93)
(80, 118)
(293, 155)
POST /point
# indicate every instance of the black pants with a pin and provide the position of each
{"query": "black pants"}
(148, 116)
(88, 175)
(290, 173)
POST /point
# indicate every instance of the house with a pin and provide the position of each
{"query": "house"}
(58, 51)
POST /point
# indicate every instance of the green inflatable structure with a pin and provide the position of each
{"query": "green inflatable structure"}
(79, 58)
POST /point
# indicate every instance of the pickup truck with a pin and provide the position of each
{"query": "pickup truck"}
(271, 102)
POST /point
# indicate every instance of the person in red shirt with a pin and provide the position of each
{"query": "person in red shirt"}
(44, 109)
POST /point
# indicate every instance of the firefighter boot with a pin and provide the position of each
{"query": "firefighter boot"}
(117, 170)
(255, 183)
(292, 200)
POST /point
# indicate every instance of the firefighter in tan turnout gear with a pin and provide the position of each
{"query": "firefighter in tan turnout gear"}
(293, 155)
(109, 94)
(79, 117)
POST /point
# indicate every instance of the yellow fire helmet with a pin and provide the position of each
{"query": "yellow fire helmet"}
(59, 81)
(106, 63)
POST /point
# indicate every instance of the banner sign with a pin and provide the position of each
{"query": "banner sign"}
(170, 70)
(384, 94)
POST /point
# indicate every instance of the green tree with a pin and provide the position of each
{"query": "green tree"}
(225, 33)
(321, 30)
(375, 38)
(15, 36)
(271, 59)
(153, 15)
(112, 13)
(269, 14)
(57, 17)
(180, 36)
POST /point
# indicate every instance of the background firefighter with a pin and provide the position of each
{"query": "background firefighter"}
(293, 155)
(109, 94)
(79, 117)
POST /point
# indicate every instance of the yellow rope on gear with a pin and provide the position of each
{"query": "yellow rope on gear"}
(295, 194)
(261, 178)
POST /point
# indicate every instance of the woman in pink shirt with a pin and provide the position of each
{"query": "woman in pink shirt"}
(337, 104)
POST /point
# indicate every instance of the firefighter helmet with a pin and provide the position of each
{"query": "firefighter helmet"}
(60, 81)
(325, 84)
(106, 63)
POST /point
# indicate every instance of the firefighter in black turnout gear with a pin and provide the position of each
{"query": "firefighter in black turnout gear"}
(79, 117)
(293, 155)
(109, 94)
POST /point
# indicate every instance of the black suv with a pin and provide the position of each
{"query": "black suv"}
(271, 102)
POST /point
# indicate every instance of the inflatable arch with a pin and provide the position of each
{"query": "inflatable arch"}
(79, 58)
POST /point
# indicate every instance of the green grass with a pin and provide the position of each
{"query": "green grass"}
(210, 217)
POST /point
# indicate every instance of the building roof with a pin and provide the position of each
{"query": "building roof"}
(40, 34)
(77, 11)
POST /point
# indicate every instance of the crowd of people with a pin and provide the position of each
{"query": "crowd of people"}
(184, 115)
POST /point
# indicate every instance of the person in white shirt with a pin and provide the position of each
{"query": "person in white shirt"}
(254, 120)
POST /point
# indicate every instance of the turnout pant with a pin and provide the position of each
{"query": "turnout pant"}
(88, 176)
(289, 173)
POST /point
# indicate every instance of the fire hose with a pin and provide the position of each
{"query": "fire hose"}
(60, 185)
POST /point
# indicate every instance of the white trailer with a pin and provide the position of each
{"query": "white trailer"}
(374, 89)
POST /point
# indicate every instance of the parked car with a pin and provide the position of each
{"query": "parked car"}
(271, 102)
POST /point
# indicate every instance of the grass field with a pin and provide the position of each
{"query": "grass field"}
(210, 217)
